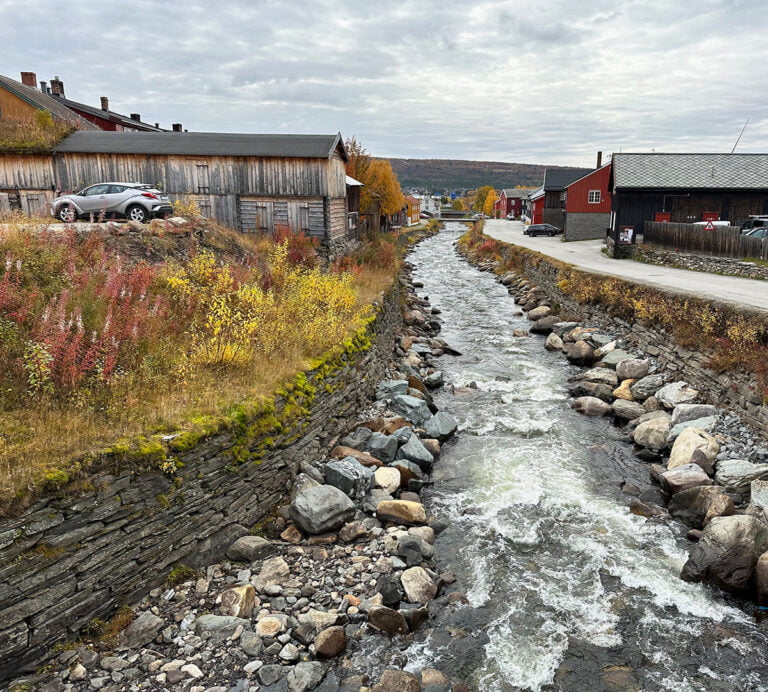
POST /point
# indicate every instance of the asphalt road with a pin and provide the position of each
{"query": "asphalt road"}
(586, 255)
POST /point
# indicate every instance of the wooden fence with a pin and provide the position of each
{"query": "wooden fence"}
(723, 241)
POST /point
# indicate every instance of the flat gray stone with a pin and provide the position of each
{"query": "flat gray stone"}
(441, 426)
(321, 509)
(412, 409)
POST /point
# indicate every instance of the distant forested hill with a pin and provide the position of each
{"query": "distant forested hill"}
(449, 174)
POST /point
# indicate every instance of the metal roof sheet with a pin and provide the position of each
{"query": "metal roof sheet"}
(558, 178)
(354, 183)
(695, 171)
(110, 115)
(204, 144)
(516, 193)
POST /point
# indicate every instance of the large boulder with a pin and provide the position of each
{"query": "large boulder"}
(676, 393)
(688, 442)
(388, 389)
(647, 386)
(761, 579)
(387, 620)
(591, 406)
(249, 548)
(615, 357)
(684, 477)
(441, 426)
(580, 353)
(632, 368)
(413, 450)
(727, 553)
(417, 585)
(691, 506)
(544, 325)
(736, 475)
(627, 410)
(688, 412)
(539, 312)
(349, 476)
(553, 343)
(412, 409)
(652, 433)
(382, 446)
(341, 452)
(707, 424)
(624, 391)
(601, 375)
(401, 512)
(321, 509)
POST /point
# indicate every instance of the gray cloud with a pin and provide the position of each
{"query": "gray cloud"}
(547, 82)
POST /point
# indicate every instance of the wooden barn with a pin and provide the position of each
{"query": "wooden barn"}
(685, 188)
(251, 182)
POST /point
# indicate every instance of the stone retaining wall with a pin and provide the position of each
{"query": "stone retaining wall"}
(736, 392)
(585, 226)
(703, 263)
(68, 560)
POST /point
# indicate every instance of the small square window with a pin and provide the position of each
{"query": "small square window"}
(594, 197)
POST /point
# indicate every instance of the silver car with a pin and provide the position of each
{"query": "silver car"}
(135, 201)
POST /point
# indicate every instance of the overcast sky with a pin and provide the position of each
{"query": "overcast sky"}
(551, 81)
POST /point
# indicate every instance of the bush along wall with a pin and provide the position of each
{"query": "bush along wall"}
(99, 541)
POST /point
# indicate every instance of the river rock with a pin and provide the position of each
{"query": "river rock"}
(759, 493)
(595, 389)
(441, 426)
(434, 380)
(615, 357)
(388, 389)
(683, 477)
(382, 446)
(141, 631)
(239, 601)
(563, 328)
(302, 482)
(721, 506)
(632, 368)
(249, 549)
(706, 424)
(553, 343)
(689, 441)
(591, 406)
(647, 386)
(388, 479)
(676, 393)
(430, 677)
(342, 452)
(331, 642)
(412, 409)
(275, 570)
(688, 412)
(539, 312)
(397, 681)
(416, 452)
(321, 509)
(761, 579)
(628, 410)
(417, 585)
(401, 512)
(601, 375)
(652, 434)
(305, 675)
(580, 353)
(387, 620)
(727, 553)
(224, 625)
(623, 391)
(408, 471)
(353, 531)
(543, 325)
(415, 318)
(691, 506)
(413, 550)
(736, 475)
(349, 476)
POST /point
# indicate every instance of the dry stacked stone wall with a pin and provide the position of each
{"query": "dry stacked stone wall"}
(70, 559)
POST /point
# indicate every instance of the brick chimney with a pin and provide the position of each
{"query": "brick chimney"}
(136, 116)
(29, 79)
(599, 159)
(176, 127)
(57, 87)
(104, 103)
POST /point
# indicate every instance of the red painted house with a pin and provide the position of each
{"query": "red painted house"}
(510, 202)
(588, 205)
(537, 205)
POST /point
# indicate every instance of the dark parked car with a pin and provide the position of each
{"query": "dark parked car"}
(758, 232)
(135, 201)
(542, 229)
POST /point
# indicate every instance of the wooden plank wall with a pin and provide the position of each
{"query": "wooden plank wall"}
(723, 241)
(26, 172)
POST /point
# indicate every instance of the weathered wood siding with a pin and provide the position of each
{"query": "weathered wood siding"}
(337, 210)
(26, 172)
(260, 214)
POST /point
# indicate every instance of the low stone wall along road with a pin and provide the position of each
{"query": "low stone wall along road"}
(585, 254)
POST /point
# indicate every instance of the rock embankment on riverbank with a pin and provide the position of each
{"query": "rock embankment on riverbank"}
(711, 469)
(351, 556)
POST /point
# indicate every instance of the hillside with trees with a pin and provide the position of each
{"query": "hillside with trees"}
(455, 174)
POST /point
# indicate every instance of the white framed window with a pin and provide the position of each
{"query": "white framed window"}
(594, 197)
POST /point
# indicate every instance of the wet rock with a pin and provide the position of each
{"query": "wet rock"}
(647, 386)
(627, 410)
(321, 509)
(632, 369)
(417, 585)
(433, 446)
(388, 389)
(553, 343)
(382, 446)
(736, 475)
(397, 681)
(683, 477)
(623, 391)
(363, 458)
(643, 509)
(412, 409)
(691, 506)
(689, 412)
(413, 450)
(387, 620)
(305, 675)
(580, 353)
(413, 550)
(434, 380)
(141, 631)
(544, 325)
(705, 424)
(591, 406)
(430, 677)
(539, 312)
(615, 357)
(415, 617)
(331, 642)
(652, 434)
(390, 589)
(619, 679)
(401, 512)
(689, 441)
(425, 533)
(238, 601)
(676, 393)
(601, 375)
(349, 476)
(727, 553)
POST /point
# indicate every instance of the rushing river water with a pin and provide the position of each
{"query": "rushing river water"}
(567, 589)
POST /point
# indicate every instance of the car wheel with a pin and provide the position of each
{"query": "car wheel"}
(67, 214)
(137, 213)
(552, 234)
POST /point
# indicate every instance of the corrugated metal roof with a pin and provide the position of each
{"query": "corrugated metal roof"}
(516, 193)
(558, 178)
(204, 144)
(110, 115)
(694, 171)
(37, 99)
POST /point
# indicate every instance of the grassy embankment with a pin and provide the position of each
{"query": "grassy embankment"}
(135, 347)
(736, 341)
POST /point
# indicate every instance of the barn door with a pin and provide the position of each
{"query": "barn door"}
(255, 216)
(298, 217)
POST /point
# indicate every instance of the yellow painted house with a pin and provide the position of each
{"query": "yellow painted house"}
(21, 101)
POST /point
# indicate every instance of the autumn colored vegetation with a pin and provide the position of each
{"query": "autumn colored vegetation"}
(735, 340)
(42, 134)
(105, 338)
(381, 189)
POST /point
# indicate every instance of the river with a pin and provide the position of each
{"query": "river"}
(567, 590)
